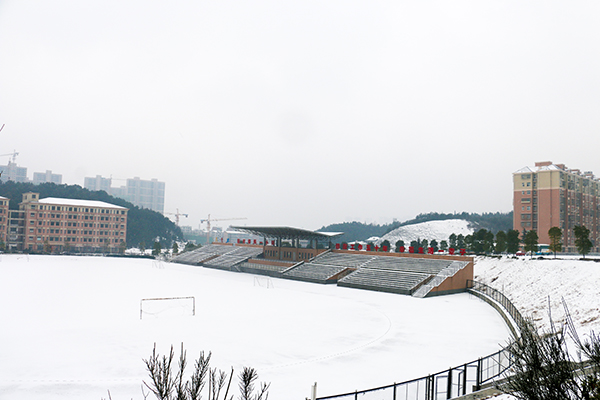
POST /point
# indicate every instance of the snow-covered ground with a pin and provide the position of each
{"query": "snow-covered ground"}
(71, 329)
(537, 286)
(533, 285)
(438, 230)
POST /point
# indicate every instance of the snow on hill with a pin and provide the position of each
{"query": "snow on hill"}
(533, 284)
(438, 230)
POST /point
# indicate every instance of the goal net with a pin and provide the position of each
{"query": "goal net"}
(167, 307)
(263, 281)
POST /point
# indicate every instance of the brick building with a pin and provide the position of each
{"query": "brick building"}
(57, 224)
(550, 195)
(3, 220)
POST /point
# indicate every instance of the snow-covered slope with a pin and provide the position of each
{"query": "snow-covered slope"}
(534, 285)
(438, 230)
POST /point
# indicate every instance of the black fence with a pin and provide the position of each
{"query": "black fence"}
(500, 298)
(453, 382)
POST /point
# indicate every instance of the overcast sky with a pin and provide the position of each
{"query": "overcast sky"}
(302, 113)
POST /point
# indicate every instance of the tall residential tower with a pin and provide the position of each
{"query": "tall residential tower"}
(550, 195)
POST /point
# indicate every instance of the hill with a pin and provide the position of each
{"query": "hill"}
(358, 231)
(143, 225)
(438, 230)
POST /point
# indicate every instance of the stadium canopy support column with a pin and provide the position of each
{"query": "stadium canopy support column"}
(279, 247)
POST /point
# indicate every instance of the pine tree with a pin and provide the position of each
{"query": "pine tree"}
(512, 241)
(500, 242)
(530, 241)
(582, 239)
(555, 234)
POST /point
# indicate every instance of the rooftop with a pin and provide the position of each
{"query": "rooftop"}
(78, 203)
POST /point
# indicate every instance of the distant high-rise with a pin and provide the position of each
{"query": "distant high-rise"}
(46, 177)
(11, 172)
(146, 194)
(549, 195)
(97, 183)
(142, 193)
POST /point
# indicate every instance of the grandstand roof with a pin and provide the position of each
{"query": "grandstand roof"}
(286, 232)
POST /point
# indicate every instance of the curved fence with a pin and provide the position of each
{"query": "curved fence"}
(453, 382)
(500, 298)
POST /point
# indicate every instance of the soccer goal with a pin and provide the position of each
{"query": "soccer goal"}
(263, 281)
(167, 307)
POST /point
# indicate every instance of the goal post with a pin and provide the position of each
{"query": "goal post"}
(159, 305)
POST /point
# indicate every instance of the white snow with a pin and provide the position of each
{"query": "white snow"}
(71, 329)
(532, 285)
(535, 285)
(438, 230)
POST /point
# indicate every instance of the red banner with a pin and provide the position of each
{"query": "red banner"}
(451, 251)
(463, 252)
(411, 249)
(385, 249)
(421, 250)
(402, 249)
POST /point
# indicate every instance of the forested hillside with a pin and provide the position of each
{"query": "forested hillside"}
(143, 225)
(360, 231)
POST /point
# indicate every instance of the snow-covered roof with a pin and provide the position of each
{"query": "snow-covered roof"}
(78, 203)
(551, 167)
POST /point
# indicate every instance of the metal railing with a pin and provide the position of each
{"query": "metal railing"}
(453, 382)
(500, 298)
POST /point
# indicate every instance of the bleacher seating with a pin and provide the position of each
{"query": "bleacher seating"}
(313, 272)
(387, 273)
(218, 256)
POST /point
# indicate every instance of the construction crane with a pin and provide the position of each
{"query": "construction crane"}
(14, 155)
(208, 226)
(177, 215)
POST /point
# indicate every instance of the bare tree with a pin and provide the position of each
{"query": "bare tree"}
(166, 385)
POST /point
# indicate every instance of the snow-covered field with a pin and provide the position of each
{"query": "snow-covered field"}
(70, 329)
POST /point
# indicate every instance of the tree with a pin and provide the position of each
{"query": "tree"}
(555, 234)
(385, 243)
(444, 245)
(167, 380)
(452, 241)
(544, 369)
(435, 245)
(530, 241)
(424, 243)
(399, 243)
(122, 247)
(460, 241)
(175, 248)
(156, 248)
(582, 239)
(468, 242)
(512, 241)
(488, 242)
(142, 247)
(500, 242)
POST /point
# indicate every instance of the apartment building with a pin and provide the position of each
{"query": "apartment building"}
(143, 193)
(550, 195)
(56, 224)
(3, 220)
(46, 177)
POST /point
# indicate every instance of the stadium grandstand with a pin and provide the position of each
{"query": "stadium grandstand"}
(299, 254)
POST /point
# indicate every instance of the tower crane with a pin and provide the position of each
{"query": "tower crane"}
(14, 155)
(209, 220)
(177, 215)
